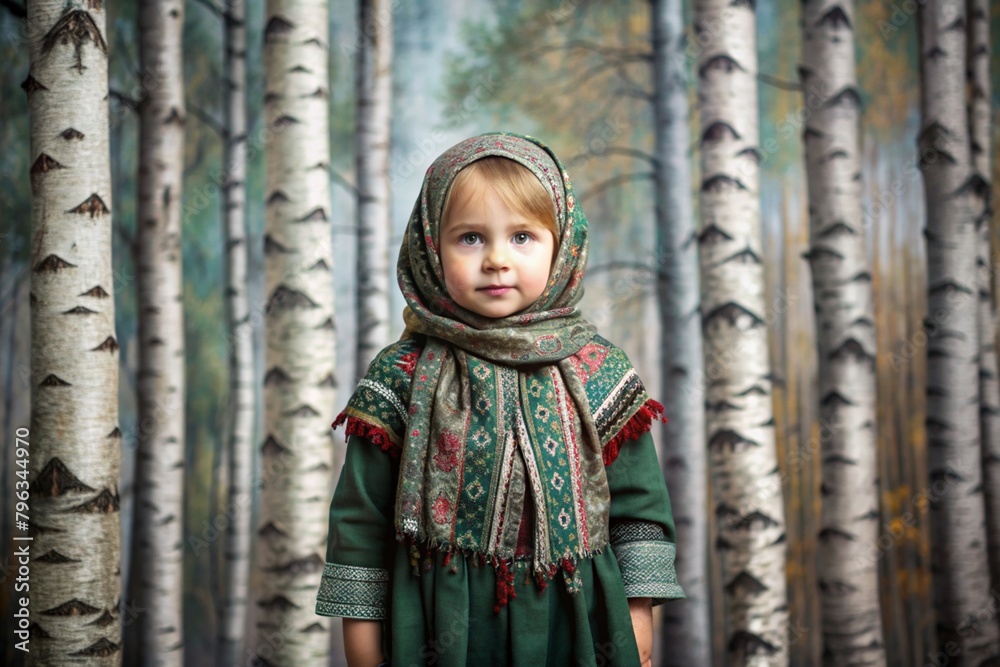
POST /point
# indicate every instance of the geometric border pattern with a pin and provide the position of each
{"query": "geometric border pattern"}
(352, 592)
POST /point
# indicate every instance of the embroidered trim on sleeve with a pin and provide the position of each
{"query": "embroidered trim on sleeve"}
(636, 531)
(387, 394)
(647, 569)
(352, 592)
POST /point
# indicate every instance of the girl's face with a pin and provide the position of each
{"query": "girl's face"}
(496, 261)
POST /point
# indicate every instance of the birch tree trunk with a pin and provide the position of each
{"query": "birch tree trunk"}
(959, 557)
(374, 122)
(157, 570)
(746, 482)
(299, 384)
(240, 410)
(73, 448)
(980, 131)
(845, 333)
(686, 628)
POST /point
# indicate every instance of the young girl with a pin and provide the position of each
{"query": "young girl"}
(501, 502)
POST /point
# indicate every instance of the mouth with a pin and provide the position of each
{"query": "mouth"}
(495, 290)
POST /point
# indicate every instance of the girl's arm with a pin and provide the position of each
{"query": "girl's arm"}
(363, 642)
(641, 610)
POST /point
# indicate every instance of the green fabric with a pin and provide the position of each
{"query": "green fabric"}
(446, 617)
(532, 369)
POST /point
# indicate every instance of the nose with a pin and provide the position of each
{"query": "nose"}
(496, 257)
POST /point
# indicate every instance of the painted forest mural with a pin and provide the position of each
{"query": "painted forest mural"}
(793, 237)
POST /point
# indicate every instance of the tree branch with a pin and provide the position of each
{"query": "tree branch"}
(16, 8)
(344, 183)
(207, 119)
(613, 182)
(778, 83)
(122, 98)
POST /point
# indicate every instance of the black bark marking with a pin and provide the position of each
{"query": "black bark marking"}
(829, 534)
(848, 97)
(44, 164)
(105, 502)
(746, 582)
(156, 341)
(104, 620)
(319, 467)
(713, 235)
(300, 69)
(102, 648)
(812, 133)
(749, 4)
(822, 254)
(837, 154)
(852, 348)
(731, 440)
(321, 166)
(720, 63)
(284, 299)
(934, 53)
(72, 608)
(75, 27)
(780, 539)
(329, 381)
(721, 406)
(283, 121)
(271, 530)
(272, 447)
(946, 475)
(320, 93)
(34, 529)
(747, 522)
(52, 264)
(950, 288)
(753, 389)
(870, 515)
(748, 643)
(310, 629)
(93, 205)
(271, 97)
(272, 247)
(277, 377)
(79, 310)
(836, 18)
(115, 433)
(838, 588)
(839, 458)
(71, 133)
(35, 631)
(722, 544)
(174, 117)
(97, 292)
(302, 411)
(309, 564)
(328, 324)
(52, 380)
(745, 256)
(109, 345)
(31, 85)
(718, 131)
(721, 183)
(976, 185)
(277, 603)
(320, 265)
(277, 27)
(835, 399)
(56, 558)
(316, 215)
(838, 228)
(732, 313)
(277, 197)
(957, 25)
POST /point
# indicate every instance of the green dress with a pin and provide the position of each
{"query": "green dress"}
(448, 615)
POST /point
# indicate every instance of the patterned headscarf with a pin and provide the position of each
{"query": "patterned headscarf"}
(487, 412)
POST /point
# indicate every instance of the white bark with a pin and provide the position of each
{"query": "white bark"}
(685, 627)
(74, 440)
(240, 410)
(980, 134)
(845, 331)
(374, 122)
(746, 482)
(299, 393)
(959, 557)
(157, 570)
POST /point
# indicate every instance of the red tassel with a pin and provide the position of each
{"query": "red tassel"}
(505, 586)
(640, 423)
(447, 558)
(374, 434)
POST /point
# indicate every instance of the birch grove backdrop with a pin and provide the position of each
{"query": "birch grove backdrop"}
(793, 238)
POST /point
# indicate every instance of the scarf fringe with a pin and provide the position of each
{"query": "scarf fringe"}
(641, 422)
(422, 558)
(374, 434)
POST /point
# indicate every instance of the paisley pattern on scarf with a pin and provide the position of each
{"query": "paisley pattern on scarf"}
(484, 411)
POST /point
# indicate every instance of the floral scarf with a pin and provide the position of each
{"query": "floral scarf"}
(485, 412)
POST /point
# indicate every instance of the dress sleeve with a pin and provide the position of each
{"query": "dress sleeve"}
(641, 523)
(356, 576)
